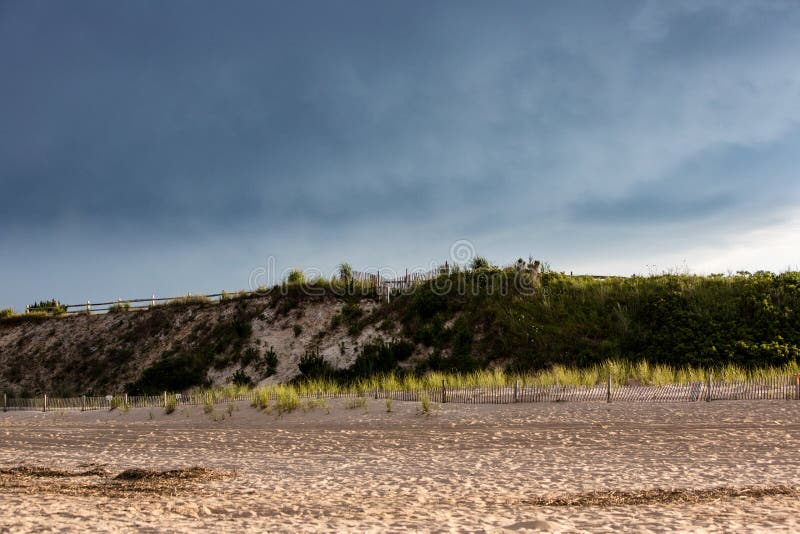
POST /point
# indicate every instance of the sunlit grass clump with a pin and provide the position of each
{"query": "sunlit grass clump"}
(621, 372)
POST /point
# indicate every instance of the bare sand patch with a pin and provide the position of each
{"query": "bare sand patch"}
(553, 467)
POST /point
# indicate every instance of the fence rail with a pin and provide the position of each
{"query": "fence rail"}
(777, 388)
(384, 285)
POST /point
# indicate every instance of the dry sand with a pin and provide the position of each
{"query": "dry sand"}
(719, 466)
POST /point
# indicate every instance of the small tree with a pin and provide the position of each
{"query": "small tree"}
(479, 262)
(296, 276)
(240, 378)
(312, 365)
(345, 272)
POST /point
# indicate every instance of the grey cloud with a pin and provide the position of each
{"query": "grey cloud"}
(193, 122)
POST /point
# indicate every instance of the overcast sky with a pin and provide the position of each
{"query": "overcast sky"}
(173, 147)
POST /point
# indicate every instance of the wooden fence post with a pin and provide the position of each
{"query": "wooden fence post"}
(608, 388)
(444, 393)
(126, 400)
(165, 400)
(797, 386)
(516, 390)
(5, 403)
(83, 403)
(708, 393)
(44, 409)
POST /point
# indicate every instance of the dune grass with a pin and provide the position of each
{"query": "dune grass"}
(621, 372)
(170, 404)
(425, 404)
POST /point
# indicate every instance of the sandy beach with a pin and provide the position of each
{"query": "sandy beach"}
(717, 466)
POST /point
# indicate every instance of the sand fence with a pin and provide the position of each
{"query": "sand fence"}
(776, 388)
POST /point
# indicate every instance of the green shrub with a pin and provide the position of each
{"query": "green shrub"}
(479, 262)
(268, 364)
(188, 300)
(48, 307)
(119, 307)
(355, 329)
(345, 272)
(379, 357)
(297, 329)
(170, 405)
(240, 378)
(173, 372)
(296, 276)
(351, 312)
(250, 355)
(313, 366)
(6, 313)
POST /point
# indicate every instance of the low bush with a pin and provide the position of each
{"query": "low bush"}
(48, 307)
(173, 372)
(170, 405)
(119, 307)
(313, 366)
(379, 357)
(267, 365)
(296, 276)
(250, 355)
(240, 378)
(189, 300)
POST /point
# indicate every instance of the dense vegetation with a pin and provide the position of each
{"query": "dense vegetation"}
(185, 366)
(466, 323)
(752, 320)
(52, 307)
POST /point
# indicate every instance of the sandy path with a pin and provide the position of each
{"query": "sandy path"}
(473, 468)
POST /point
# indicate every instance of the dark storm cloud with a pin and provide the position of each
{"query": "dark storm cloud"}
(272, 125)
(135, 112)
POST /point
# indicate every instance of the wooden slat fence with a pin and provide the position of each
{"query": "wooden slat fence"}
(381, 283)
(776, 388)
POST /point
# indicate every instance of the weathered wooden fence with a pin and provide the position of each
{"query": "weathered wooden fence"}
(777, 388)
(382, 284)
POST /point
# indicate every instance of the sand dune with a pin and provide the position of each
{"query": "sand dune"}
(533, 467)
